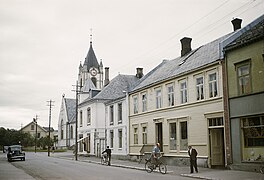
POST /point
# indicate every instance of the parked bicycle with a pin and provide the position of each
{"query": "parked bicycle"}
(150, 166)
(104, 159)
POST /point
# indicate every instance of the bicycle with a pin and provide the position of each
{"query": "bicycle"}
(150, 166)
(104, 159)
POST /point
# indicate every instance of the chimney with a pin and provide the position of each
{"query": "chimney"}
(186, 45)
(236, 23)
(139, 72)
(106, 82)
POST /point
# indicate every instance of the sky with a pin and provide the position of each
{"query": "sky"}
(42, 43)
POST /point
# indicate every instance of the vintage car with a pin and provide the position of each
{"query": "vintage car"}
(15, 152)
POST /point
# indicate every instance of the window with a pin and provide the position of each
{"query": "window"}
(144, 135)
(173, 139)
(111, 139)
(216, 122)
(135, 104)
(81, 119)
(199, 88)
(183, 86)
(253, 131)
(170, 95)
(144, 102)
(243, 77)
(212, 85)
(183, 136)
(120, 138)
(158, 98)
(135, 135)
(38, 135)
(94, 81)
(88, 116)
(119, 113)
(62, 129)
(71, 133)
(111, 115)
(32, 127)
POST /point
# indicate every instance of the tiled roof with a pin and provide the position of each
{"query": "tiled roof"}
(91, 60)
(252, 32)
(195, 59)
(71, 109)
(117, 87)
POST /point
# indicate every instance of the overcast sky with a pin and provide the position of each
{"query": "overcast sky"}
(43, 42)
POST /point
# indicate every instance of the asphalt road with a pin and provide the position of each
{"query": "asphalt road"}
(42, 167)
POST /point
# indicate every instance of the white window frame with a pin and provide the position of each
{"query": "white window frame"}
(158, 97)
(120, 139)
(111, 114)
(144, 102)
(88, 116)
(171, 100)
(120, 112)
(213, 85)
(199, 88)
(135, 104)
(183, 91)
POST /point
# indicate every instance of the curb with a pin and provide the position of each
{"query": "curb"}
(198, 177)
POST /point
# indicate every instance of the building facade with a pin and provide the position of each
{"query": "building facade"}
(66, 123)
(180, 103)
(244, 59)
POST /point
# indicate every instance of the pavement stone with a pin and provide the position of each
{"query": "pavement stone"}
(204, 173)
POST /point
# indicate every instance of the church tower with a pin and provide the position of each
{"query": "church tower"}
(90, 75)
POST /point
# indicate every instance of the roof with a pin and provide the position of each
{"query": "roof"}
(71, 109)
(88, 85)
(250, 33)
(34, 124)
(202, 56)
(116, 88)
(91, 60)
(47, 129)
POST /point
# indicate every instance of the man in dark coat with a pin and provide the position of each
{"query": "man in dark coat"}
(193, 158)
(108, 152)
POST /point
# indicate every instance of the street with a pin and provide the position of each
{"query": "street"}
(40, 166)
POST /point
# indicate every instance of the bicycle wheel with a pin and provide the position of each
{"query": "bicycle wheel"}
(102, 160)
(162, 168)
(261, 169)
(148, 166)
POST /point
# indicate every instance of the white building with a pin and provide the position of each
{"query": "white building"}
(66, 123)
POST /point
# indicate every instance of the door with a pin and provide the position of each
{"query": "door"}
(159, 137)
(217, 146)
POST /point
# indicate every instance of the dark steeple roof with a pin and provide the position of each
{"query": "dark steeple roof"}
(91, 60)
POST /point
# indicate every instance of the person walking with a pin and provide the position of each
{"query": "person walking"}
(193, 158)
(108, 153)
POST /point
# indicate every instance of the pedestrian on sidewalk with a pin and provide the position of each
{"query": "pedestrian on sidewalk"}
(193, 158)
(108, 153)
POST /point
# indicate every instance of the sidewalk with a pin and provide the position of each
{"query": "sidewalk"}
(204, 173)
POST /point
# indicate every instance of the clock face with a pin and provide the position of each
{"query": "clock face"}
(93, 72)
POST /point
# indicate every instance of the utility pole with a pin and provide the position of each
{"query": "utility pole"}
(36, 135)
(77, 91)
(50, 105)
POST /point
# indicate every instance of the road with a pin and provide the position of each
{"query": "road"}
(42, 167)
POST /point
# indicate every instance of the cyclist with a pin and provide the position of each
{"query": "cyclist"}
(108, 152)
(155, 154)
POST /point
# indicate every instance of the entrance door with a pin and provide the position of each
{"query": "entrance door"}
(217, 146)
(159, 137)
